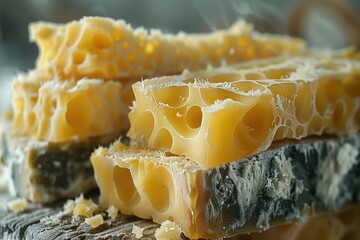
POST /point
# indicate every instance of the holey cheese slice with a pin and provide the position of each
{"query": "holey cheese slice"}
(219, 115)
(108, 49)
(59, 111)
(288, 182)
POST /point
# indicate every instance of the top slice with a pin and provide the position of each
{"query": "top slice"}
(97, 47)
(220, 115)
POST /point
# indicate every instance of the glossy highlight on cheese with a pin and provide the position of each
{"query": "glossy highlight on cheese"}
(60, 111)
(222, 114)
(104, 48)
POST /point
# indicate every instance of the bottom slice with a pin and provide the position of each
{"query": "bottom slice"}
(290, 181)
(44, 172)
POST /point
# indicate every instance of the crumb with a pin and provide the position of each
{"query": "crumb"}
(138, 231)
(112, 212)
(168, 230)
(69, 206)
(17, 205)
(95, 221)
(84, 207)
(51, 220)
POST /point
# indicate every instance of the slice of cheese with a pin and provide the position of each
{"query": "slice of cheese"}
(59, 111)
(108, 49)
(45, 172)
(288, 182)
(219, 115)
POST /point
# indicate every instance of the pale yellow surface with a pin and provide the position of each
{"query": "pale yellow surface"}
(104, 48)
(59, 111)
(220, 115)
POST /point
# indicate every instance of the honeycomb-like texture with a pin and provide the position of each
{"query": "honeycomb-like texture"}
(142, 182)
(220, 115)
(59, 111)
(108, 49)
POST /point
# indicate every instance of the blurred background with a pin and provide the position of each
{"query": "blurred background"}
(323, 23)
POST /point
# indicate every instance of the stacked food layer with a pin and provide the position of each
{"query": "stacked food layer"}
(78, 96)
(239, 148)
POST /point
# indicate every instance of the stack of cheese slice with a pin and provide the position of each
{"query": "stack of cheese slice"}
(223, 154)
(80, 91)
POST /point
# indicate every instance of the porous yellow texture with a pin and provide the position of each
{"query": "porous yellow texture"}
(58, 111)
(220, 115)
(104, 48)
(150, 184)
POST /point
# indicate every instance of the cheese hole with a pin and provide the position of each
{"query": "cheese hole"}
(352, 85)
(19, 104)
(254, 76)
(321, 102)
(304, 107)
(53, 104)
(259, 120)
(124, 186)
(249, 86)
(158, 187)
(79, 113)
(72, 34)
(243, 142)
(32, 118)
(174, 96)
(78, 57)
(145, 124)
(299, 131)
(278, 73)
(339, 114)
(283, 90)
(163, 139)
(194, 117)
(315, 125)
(229, 77)
(212, 95)
(280, 133)
(102, 40)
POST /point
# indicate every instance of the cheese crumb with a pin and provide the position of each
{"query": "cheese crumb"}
(168, 230)
(138, 231)
(84, 207)
(17, 205)
(112, 212)
(69, 206)
(94, 221)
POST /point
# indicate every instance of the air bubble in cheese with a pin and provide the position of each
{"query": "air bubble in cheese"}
(108, 49)
(60, 111)
(220, 115)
